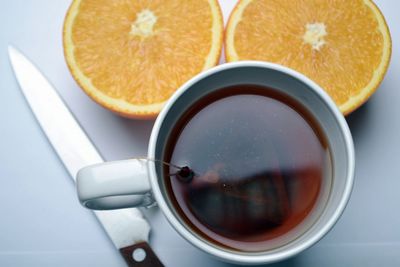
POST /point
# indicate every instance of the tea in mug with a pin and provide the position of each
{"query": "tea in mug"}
(261, 168)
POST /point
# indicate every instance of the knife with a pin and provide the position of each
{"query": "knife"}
(127, 228)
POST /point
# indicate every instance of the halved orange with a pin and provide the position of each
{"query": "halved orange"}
(131, 55)
(343, 45)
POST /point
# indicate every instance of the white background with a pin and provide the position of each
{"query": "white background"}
(42, 224)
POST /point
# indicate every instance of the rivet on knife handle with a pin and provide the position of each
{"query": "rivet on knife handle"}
(140, 255)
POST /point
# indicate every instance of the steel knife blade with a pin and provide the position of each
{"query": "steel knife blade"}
(127, 228)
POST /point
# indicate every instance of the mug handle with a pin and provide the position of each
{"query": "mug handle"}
(115, 185)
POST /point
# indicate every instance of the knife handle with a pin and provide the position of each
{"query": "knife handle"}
(140, 255)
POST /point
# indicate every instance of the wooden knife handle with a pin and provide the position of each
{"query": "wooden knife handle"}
(140, 255)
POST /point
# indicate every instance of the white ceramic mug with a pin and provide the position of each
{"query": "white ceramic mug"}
(137, 182)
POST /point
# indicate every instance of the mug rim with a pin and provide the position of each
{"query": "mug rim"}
(232, 256)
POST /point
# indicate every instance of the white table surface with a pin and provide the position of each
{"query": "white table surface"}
(42, 223)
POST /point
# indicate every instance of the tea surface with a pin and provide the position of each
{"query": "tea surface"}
(260, 162)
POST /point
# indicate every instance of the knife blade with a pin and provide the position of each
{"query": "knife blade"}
(127, 228)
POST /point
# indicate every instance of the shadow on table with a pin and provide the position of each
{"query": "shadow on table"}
(138, 127)
(139, 130)
(292, 262)
(358, 120)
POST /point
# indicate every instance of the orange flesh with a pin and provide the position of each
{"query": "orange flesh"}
(141, 71)
(350, 51)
